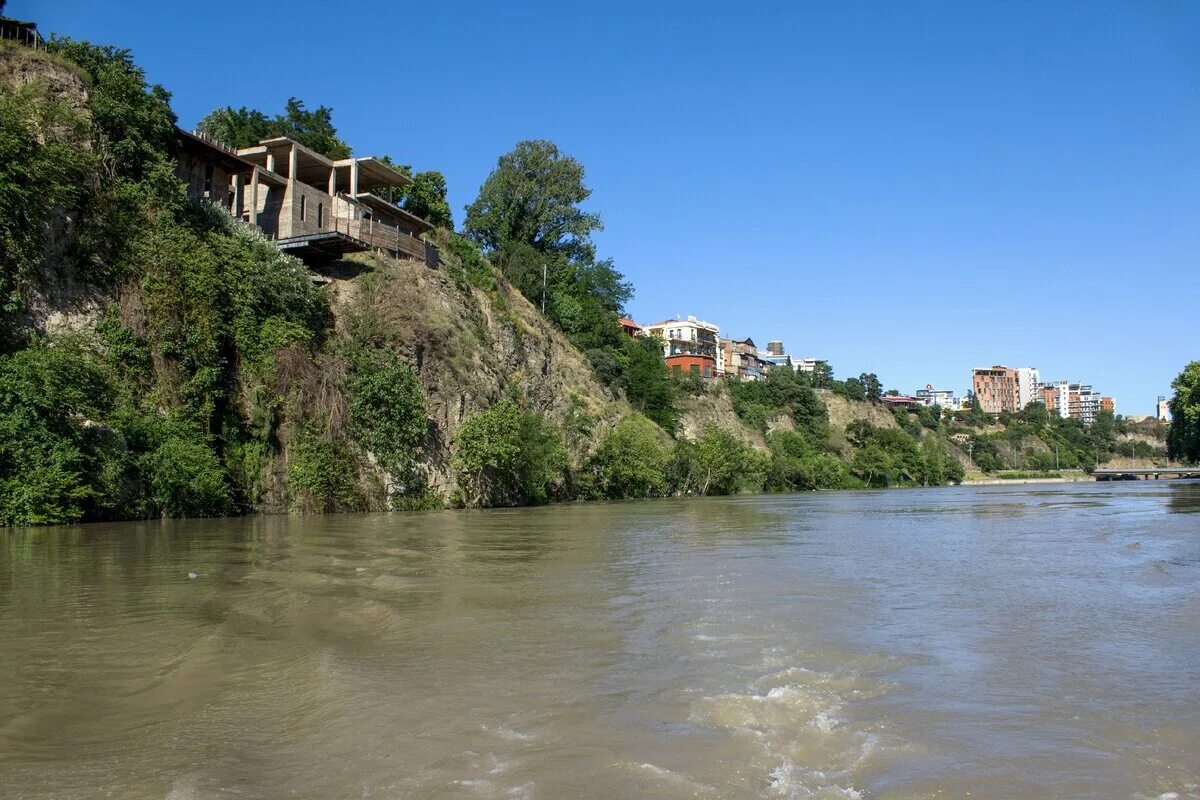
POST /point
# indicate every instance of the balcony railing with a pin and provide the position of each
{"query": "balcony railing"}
(386, 237)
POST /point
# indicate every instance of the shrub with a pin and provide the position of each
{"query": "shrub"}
(631, 461)
(718, 463)
(508, 456)
(796, 464)
(184, 476)
(322, 475)
(387, 412)
(52, 449)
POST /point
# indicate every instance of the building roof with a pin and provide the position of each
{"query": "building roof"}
(211, 149)
(628, 323)
(379, 204)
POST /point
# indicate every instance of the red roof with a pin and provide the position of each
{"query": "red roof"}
(628, 323)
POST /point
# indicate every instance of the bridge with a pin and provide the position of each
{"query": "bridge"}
(1144, 473)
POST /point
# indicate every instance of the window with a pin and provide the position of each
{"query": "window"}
(303, 205)
(208, 178)
(320, 214)
(695, 369)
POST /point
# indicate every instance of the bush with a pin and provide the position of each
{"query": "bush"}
(184, 476)
(508, 456)
(797, 465)
(322, 474)
(53, 451)
(718, 463)
(631, 461)
(387, 413)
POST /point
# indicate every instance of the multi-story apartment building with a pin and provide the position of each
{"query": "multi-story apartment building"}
(742, 361)
(1075, 401)
(1084, 403)
(1057, 398)
(690, 345)
(1163, 409)
(996, 388)
(1029, 384)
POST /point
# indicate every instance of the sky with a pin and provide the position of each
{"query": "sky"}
(911, 189)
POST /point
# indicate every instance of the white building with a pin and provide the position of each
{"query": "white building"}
(687, 343)
(1029, 386)
(1057, 397)
(945, 398)
(1164, 409)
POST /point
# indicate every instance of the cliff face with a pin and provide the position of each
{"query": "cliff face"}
(712, 407)
(58, 98)
(469, 346)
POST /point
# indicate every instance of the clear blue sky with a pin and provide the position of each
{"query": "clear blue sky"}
(906, 188)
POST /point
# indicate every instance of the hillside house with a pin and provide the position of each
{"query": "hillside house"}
(690, 345)
(742, 361)
(319, 209)
(212, 172)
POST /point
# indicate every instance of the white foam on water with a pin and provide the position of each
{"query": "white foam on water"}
(672, 778)
(796, 720)
(792, 782)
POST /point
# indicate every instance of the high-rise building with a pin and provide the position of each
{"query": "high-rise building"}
(995, 389)
(1057, 397)
(1029, 384)
(1075, 401)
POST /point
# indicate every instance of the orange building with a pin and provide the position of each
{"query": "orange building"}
(702, 365)
(996, 389)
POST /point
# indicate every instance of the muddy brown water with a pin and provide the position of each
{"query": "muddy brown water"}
(983, 642)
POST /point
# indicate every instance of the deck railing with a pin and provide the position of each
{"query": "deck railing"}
(384, 237)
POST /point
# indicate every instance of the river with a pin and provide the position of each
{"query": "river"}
(983, 642)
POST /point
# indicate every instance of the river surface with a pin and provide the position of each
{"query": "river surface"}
(987, 642)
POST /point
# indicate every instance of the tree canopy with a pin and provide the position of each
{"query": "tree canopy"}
(1183, 441)
(533, 197)
(246, 127)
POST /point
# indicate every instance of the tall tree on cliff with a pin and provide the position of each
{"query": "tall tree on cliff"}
(528, 218)
(1183, 441)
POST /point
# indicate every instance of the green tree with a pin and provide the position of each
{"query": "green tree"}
(631, 460)
(1183, 440)
(720, 463)
(648, 387)
(243, 127)
(507, 456)
(387, 413)
(247, 127)
(533, 197)
(872, 388)
(427, 199)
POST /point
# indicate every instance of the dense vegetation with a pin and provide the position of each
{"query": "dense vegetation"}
(1183, 441)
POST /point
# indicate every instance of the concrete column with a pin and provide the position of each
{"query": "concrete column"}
(354, 178)
(254, 197)
(292, 164)
(332, 181)
(236, 209)
(270, 161)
